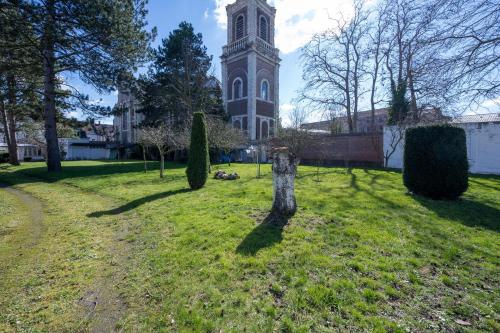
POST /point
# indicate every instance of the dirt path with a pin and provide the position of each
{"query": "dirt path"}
(101, 305)
(104, 304)
(35, 208)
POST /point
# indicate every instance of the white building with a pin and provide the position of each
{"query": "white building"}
(86, 149)
(483, 143)
(25, 151)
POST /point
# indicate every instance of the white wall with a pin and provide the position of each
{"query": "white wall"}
(88, 153)
(83, 152)
(483, 148)
(393, 146)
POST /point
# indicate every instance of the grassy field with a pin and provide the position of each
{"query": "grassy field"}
(115, 247)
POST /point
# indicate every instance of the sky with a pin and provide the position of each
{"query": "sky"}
(296, 22)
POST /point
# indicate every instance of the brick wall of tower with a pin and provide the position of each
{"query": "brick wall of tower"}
(237, 69)
(265, 71)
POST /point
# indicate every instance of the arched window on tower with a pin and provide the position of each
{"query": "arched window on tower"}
(263, 28)
(240, 27)
(265, 130)
(237, 88)
(264, 90)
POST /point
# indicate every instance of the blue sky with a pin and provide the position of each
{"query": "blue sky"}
(294, 28)
(296, 22)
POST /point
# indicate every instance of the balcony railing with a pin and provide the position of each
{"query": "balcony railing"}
(239, 45)
(242, 44)
(266, 48)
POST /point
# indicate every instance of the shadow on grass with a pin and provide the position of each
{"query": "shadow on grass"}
(467, 212)
(266, 234)
(475, 182)
(106, 168)
(139, 202)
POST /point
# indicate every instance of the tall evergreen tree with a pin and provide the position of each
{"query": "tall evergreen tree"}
(199, 160)
(96, 40)
(20, 77)
(179, 81)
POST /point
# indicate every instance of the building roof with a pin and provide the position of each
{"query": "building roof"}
(478, 118)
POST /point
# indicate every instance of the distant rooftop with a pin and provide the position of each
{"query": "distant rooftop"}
(478, 118)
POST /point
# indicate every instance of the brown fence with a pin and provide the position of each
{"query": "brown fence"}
(348, 149)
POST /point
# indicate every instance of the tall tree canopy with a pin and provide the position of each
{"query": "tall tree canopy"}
(20, 79)
(97, 40)
(443, 52)
(179, 81)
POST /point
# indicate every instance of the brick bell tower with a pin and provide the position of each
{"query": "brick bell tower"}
(250, 68)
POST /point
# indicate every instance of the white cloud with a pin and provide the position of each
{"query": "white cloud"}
(296, 20)
(206, 14)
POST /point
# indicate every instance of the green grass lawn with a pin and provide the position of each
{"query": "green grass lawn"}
(360, 255)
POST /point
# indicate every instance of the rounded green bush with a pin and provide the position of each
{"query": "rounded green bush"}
(435, 162)
(198, 163)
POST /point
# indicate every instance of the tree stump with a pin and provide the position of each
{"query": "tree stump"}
(284, 171)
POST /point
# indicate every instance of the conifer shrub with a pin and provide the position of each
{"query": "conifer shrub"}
(198, 161)
(435, 162)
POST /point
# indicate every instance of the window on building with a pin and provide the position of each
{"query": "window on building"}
(264, 90)
(240, 27)
(125, 121)
(263, 28)
(237, 89)
(237, 124)
(265, 130)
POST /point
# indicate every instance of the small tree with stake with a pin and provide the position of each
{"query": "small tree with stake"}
(199, 160)
(165, 138)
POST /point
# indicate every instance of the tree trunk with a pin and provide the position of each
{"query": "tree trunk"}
(284, 172)
(162, 165)
(11, 121)
(5, 124)
(144, 157)
(413, 97)
(53, 154)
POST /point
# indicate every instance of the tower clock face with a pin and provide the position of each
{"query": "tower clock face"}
(250, 69)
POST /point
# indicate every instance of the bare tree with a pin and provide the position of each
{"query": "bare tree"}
(394, 139)
(470, 38)
(294, 136)
(376, 34)
(336, 126)
(334, 64)
(165, 138)
(143, 142)
(224, 137)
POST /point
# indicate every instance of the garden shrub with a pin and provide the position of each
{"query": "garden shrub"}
(198, 161)
(435, 161)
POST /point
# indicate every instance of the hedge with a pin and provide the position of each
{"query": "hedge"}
(199, 160)
(435, 162)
